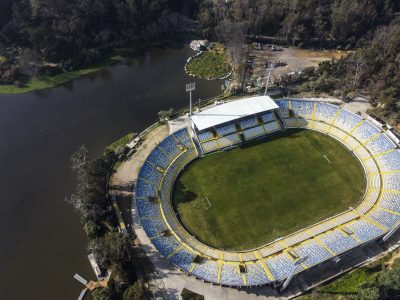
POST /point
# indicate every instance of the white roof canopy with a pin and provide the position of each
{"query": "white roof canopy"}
(230, 111)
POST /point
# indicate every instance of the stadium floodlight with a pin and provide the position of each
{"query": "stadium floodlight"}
(296, 267)
(270, 66)
(189, 88)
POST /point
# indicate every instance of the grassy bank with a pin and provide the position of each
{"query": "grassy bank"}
(348, 286)
(44, 82)
(211, 64)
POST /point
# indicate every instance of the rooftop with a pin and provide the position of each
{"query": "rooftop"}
(231, 111)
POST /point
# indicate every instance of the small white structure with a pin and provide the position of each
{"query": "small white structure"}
(199, 45)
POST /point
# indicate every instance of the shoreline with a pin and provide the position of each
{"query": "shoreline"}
(118, 55)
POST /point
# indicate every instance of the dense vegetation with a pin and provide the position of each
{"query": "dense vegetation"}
(286, 178)
(44, 36)
(112, 250)
(211, 64)
(378, 280)
(374, 69)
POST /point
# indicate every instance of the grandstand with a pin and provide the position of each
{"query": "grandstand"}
(228, 125)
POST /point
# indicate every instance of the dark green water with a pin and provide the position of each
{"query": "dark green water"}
(42, 243)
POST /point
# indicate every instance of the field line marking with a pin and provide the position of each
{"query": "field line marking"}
(327, 159)
(208, 201)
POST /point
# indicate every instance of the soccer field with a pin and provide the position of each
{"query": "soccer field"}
(249, 196)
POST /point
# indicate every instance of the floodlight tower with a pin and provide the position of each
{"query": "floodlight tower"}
(296, 267)
(270, 66)
(189, 88)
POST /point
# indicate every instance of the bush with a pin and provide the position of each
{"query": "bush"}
(137, 291)
(101, 294)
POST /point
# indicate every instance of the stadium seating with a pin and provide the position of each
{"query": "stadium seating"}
(268, 117)
(207, 270)
(166, 245)
(281, 266)
(170, 147)
(315, 253)
(390, 201)
(150, 174)
(145, 190)
(347, 120)
(230, 275)
(325, 112)
(389, 161)
(385, 218)
(365, 132)
(210, 146)
(182, 136)
(147, 209)
(381, 144)
(228, 140)
(270, 127)
(364, 230)
(392, 181)
(256, 275)
(283, 108)
(153, 227)
(248, 122)
(183, 259)
(303, 109)
(205, 136)
(253, 132)
(225, 129)
(338, 242)
(372, 218)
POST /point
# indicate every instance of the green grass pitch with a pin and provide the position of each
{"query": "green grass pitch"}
(249, 196)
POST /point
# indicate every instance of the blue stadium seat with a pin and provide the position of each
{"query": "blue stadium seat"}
(225, 129)
(337, 241)
(364, 230)
(248, 122)
(183, 259)
(256, 275)
(302, 109)
(230, 275)
(207, 270)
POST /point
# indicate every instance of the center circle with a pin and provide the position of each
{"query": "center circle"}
(251, 195)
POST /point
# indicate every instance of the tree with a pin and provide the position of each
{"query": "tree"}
(101, 294)
(137, 291)
(368, 292)
(29, 63)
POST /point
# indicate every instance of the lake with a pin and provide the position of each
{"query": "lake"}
(43, 244)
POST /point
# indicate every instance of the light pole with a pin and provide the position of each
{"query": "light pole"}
(289, 279)
(270, 67)
(189, 88)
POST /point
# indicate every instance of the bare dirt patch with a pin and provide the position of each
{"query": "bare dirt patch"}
(296, 59)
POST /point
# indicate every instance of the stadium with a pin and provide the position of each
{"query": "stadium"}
(253, 191)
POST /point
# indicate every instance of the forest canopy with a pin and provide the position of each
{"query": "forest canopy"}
(54, 36)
